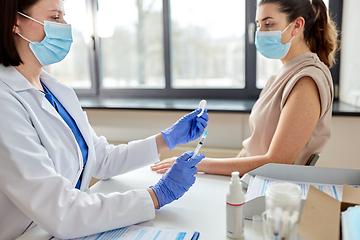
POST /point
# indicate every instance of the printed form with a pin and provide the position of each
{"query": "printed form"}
(136, 232)
(258, 184)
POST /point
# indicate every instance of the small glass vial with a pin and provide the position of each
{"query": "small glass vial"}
(235, 200)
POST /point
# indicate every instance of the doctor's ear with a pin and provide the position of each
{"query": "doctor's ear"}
(15, 29)
(16, 25)
(299, 24)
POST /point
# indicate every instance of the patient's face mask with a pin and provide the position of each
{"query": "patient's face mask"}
(268, 43)
(56, 44)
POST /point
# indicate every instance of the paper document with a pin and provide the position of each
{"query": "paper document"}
(136, 232)
(258, 184)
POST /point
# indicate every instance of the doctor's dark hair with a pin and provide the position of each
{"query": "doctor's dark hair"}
(9, 55)
(320, 32)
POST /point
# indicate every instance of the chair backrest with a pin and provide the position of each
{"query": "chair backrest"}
(312, 160)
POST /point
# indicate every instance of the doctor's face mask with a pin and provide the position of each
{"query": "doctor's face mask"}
(56, 44)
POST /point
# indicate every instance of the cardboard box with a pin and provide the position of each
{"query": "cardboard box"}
(296, 173)
(321, 214)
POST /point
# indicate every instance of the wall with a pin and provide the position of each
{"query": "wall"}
(226, 133)
(350, 51)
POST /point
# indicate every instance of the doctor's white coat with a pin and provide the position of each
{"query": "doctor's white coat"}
(40, 163)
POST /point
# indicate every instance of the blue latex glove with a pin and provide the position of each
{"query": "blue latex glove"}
(186, 129)
(178, 179)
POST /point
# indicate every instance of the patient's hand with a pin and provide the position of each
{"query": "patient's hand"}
(164, 165)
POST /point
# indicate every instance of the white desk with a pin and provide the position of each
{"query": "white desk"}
(201, 209)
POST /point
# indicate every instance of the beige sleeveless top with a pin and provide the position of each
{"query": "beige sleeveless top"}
(266, 112)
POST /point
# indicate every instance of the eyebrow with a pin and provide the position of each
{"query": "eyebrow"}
(59, 11)
(264, 19)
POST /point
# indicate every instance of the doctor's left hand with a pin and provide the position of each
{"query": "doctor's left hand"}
(178, 179)
(186, 129)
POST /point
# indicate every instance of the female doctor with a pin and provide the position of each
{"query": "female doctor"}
(48, 150)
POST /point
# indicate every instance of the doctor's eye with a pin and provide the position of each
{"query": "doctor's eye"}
(268, 25)
(57, 16)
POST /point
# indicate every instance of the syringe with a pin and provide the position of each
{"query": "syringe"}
(201, 142)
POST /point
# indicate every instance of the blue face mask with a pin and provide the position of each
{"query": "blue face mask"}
(56, 44)
(350, 223)
(268, 43)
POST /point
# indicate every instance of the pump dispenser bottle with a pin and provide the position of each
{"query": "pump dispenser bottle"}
(234, 208)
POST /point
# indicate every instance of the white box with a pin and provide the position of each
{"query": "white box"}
(297, 173)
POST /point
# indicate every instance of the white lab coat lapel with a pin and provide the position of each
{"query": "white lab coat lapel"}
(45, 104)
(70, 102)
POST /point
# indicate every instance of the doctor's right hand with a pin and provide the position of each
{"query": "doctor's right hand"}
(178, 179)
(186, 129)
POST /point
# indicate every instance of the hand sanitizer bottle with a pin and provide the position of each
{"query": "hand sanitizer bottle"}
(234, 208)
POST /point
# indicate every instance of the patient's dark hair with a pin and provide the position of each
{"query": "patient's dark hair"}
(320, 32)
(8, 14)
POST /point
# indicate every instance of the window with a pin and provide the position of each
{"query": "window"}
(74, 70)
(168, 49)
(208, 44)
(131, 43)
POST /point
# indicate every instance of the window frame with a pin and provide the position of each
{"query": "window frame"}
(249, 92)
(336, 12)
(93, 49)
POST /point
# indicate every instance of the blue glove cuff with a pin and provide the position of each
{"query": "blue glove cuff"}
(158, 194)
(169, 141)
(163, 193)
